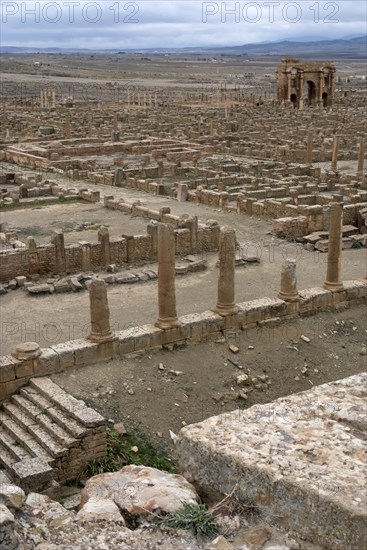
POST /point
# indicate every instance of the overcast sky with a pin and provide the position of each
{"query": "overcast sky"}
(175, 23)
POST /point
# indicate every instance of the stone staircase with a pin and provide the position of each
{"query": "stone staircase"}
(46, 434)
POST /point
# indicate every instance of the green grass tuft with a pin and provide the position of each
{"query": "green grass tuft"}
(192, 517)
(119, 454)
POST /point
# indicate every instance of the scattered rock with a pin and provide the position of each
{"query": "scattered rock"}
(75, 284)
(40, 289)
(120, 428)
(140, 490)
(220, 543)
(126, 278)
(12, 284)
(100, 509)
(3, 290)
(11, 495)
(233, 348)
(305, 338)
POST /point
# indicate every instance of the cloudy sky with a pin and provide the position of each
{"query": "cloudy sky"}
(175, 23)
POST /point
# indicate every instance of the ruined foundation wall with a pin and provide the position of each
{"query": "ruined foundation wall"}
(191, 328)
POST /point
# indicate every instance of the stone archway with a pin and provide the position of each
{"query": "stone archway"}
(310, 93)
(309, 83)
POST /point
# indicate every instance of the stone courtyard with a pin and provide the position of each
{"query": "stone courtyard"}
(160, 236)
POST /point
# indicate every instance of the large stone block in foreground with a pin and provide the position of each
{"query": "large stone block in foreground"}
(301, 459)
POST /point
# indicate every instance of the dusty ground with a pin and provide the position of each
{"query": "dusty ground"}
(157, 392)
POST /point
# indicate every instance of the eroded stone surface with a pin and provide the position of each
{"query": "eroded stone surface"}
(301, 459)
(140, 490)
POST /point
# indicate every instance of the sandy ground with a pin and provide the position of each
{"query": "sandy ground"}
(142, 391)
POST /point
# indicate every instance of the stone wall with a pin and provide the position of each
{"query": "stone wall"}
(196, 327)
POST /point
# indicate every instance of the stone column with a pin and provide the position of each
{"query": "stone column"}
(182, 191)
(333, 281)
(227, 251)
(288, 282)
(334, 160)
(309, 147)
(321, 87)
(104, 239)
(99, 313)
(300, 87)
(361, 159)
(332, 86)
(167, 315)
(57, 240)
(289, 86)
(32, 255)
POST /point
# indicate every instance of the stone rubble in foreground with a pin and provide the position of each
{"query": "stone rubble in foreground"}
(301, 459)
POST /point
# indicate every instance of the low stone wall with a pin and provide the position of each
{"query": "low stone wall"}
(192, 328)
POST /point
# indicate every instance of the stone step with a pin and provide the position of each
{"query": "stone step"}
(46, 440)
(71, 426)
(12, 447)
(24, 438)
(40, 416)
(74, 407)
(6, 459)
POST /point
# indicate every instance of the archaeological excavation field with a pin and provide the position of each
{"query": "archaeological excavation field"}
(181, 240)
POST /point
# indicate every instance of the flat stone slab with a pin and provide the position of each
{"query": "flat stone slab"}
(301, 459)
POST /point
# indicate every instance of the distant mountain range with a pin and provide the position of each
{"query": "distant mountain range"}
(348, 48)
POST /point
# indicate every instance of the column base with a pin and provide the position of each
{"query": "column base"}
(333, 286)
(224, 310)
(289, 297)
(98, 338)
(165, 324)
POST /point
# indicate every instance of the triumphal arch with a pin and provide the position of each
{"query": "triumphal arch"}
(305, 83)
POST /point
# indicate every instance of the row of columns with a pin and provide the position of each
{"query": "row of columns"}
(225, 305)
(334, 159)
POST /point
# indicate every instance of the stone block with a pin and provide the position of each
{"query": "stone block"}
(313, 299)
(7, 368)
(196, 325)
(176, 334)
(146, 337)
(322, 500)
(24, 369)
(32, 474)
(65, 352)
(355, 290)
(126, 342)
(212, 322)
(85, 352)
(47, 363)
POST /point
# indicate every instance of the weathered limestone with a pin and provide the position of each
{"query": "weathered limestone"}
(104, 239)
(334, 160)
(100, 312)
(361, 158)
(333, 275)
(226, 282)
(47, 434)
(58, 241)
(27, 351)
(167, 314)
(300, 459)
(309, 147)
(288, 282)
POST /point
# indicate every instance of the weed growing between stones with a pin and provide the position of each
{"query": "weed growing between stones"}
(127, 449)
(192, 517)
